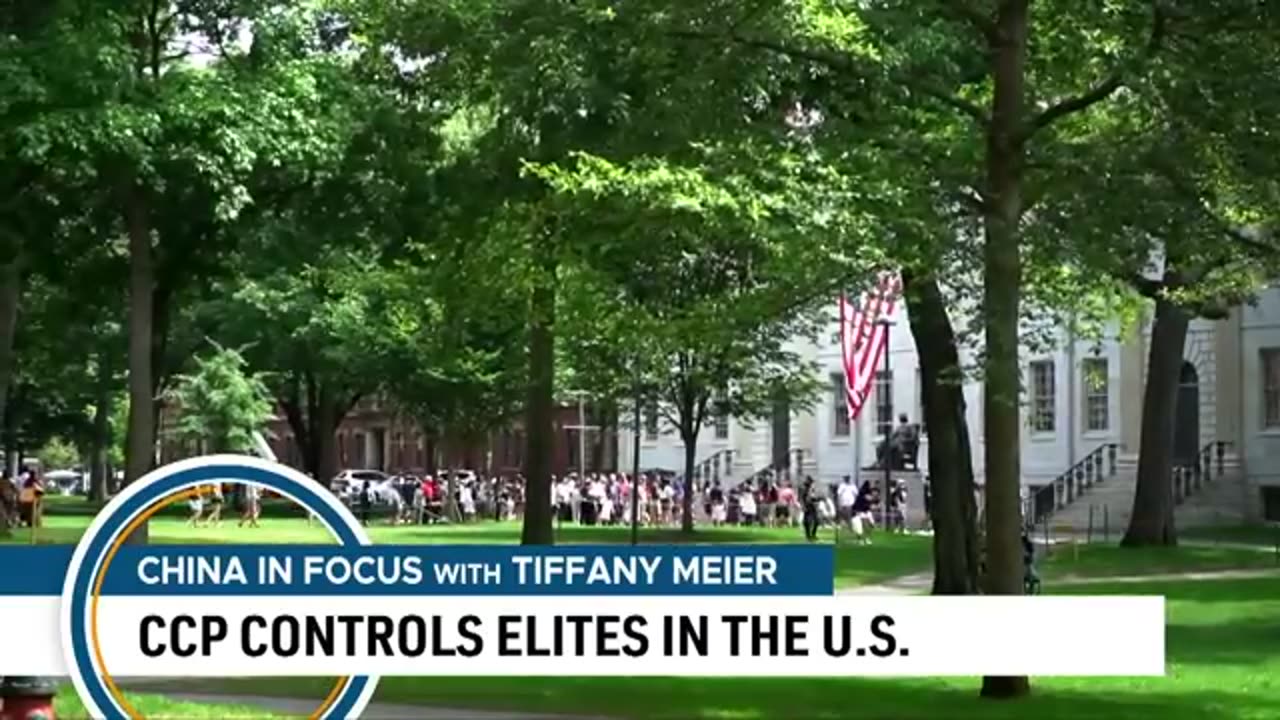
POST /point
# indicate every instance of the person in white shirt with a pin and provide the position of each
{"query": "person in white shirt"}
(666, 503)
(196, 504)
(846, 495)
(252, 505)
(847, 499)
(597, 494)
(467, 499)
(564, 499)
(642, 493)
(747, 504)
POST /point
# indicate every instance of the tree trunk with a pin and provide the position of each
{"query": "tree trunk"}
(10, 298)
(300, 422)
(690, 460)
(100, 443)
(451, 509)
(323, 430)
(953, 510)
(140, 446)
(1151, 522)
(540, 409)
(1001, 297)
(429, 447)
(161, 315)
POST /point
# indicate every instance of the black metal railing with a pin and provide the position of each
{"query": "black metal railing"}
(1190, 476)
(713, 467)
(1076, 481)
(778, 470)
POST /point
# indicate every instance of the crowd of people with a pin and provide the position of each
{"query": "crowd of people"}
(21, 498)
(413, 499)
(766, 500)
(207, 501)
(605, 499)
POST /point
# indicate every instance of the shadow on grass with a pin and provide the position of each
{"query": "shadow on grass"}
(772, 698)
(1246, 641)
(1264, 535)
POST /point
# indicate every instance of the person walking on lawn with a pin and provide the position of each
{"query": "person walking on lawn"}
(809, 499)
(252, 505)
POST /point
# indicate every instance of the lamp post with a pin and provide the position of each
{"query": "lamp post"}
(887, 388)
(582, 427)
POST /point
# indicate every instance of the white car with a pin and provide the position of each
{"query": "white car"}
(347, 483)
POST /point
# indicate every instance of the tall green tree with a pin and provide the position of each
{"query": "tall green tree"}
(548, 78)
(222, 404)
(50, 65)
(717, 277)
(1175, 196)
(997, 95)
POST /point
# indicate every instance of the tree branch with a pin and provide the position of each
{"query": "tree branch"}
(978, 20)
(1109, 85)
(1145, 286)
(842, 64)
(955, 102)
(1240, 236)
(1243, 237)
(972, 198)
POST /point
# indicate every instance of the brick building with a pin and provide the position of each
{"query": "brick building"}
(374, 436)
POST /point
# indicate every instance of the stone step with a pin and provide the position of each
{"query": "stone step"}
(1221, 501)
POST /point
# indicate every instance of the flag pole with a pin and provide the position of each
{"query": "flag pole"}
(855, 429)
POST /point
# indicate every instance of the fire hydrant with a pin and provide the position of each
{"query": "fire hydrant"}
(27, 698)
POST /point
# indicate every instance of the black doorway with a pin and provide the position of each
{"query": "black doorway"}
(1186, 432)
(781, 432)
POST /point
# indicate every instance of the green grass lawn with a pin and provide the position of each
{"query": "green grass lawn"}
(1223, 664)
(1264, 535)
(1101, 561)
(888, 557)
(1223, 642)
(157, 707)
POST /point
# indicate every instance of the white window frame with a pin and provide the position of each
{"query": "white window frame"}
(1095, 390)
(719, 420)
(1269, 369)
(841, 425)
(1043, 408)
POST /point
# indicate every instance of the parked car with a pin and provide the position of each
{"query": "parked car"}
(346, 484)
(67, 482)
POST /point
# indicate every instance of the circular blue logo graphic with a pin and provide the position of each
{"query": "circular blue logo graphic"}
(132, 507)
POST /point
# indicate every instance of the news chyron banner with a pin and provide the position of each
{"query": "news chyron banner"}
(107, 609)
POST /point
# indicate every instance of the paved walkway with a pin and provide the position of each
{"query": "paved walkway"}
(913, 584)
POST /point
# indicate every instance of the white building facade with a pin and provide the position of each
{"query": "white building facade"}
(1079, 396)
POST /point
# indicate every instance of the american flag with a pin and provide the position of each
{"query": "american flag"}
(863, 336)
